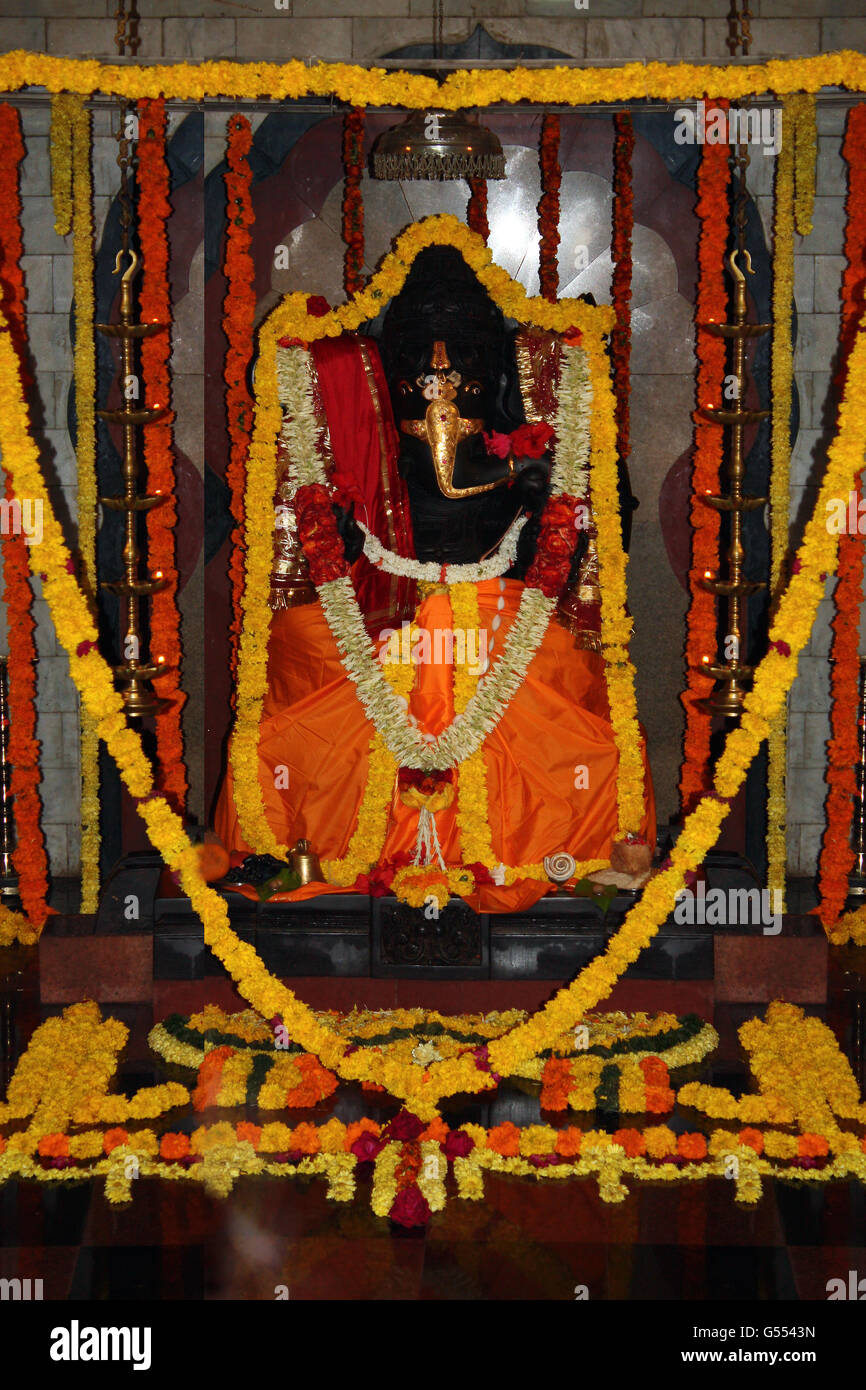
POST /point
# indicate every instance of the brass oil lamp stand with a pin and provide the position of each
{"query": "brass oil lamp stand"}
(8, 876)
(733, 674)
(134, 673)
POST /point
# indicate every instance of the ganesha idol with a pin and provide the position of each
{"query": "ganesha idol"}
(436, 719)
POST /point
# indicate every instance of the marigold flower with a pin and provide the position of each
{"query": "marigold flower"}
(53, 1146)
(660, 1141)
(249, 1132)
(753, 1138)
(305, 1138)
(174, 1146)
(692, 1146)
(631, 1141)
(812, 1146)
(568, 1142)
(504, 1139)
(114, 1137)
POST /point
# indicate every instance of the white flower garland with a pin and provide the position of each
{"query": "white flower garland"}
(570, 472)
(492, 568)
(494, 692)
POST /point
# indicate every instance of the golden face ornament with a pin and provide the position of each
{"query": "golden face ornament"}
(443, 427)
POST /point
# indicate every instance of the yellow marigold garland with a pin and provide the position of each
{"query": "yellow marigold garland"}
(368, 838)
(616, 625)
(72, 191)
(261, 482)
(782, 377)
(357, 86)
(290, 317)
(473, 818)
(369, 834)
(799, 118)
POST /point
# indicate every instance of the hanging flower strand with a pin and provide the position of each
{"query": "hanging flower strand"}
(154, 209)
(476, 210)
(72, 189)
(623, 229)
(30, 858)
(711, 307)
(353, 203)
(548, 209)
(239, 308)
(782, 377)
(837, 857)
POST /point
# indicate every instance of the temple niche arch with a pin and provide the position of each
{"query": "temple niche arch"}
(299, 207)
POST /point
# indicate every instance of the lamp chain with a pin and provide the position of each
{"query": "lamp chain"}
(739, 28)
(438, 27)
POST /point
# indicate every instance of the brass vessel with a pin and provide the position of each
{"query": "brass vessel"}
(304, 862)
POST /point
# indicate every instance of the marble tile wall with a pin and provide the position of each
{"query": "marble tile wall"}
(600, 30)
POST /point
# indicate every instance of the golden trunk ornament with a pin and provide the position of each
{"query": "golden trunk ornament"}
(443, 427)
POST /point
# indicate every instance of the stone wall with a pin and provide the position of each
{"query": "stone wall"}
(605, 30)
(365, 29)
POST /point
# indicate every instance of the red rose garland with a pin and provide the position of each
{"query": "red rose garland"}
(353, 203)
(623, 227)
(239, 308)
(318, 534)
(548, 209)
(30, 859)
(556, 543)
(476, 210)
(155, 307)
(837, 857)
(711, 307)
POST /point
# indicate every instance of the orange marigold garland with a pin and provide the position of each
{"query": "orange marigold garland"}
(239, 309)
(837, 857)
(476, 209)
(548, 209)
(154, 208)
(710, 307)
(353, 203)
(623, 227)
(30, 859)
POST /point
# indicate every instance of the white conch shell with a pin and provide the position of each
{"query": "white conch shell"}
(560, 867)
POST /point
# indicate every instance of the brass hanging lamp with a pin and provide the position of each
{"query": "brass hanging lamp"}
(438, 145)
(135, 672)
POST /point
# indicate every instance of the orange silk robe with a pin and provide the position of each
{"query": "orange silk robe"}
(551, 761)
